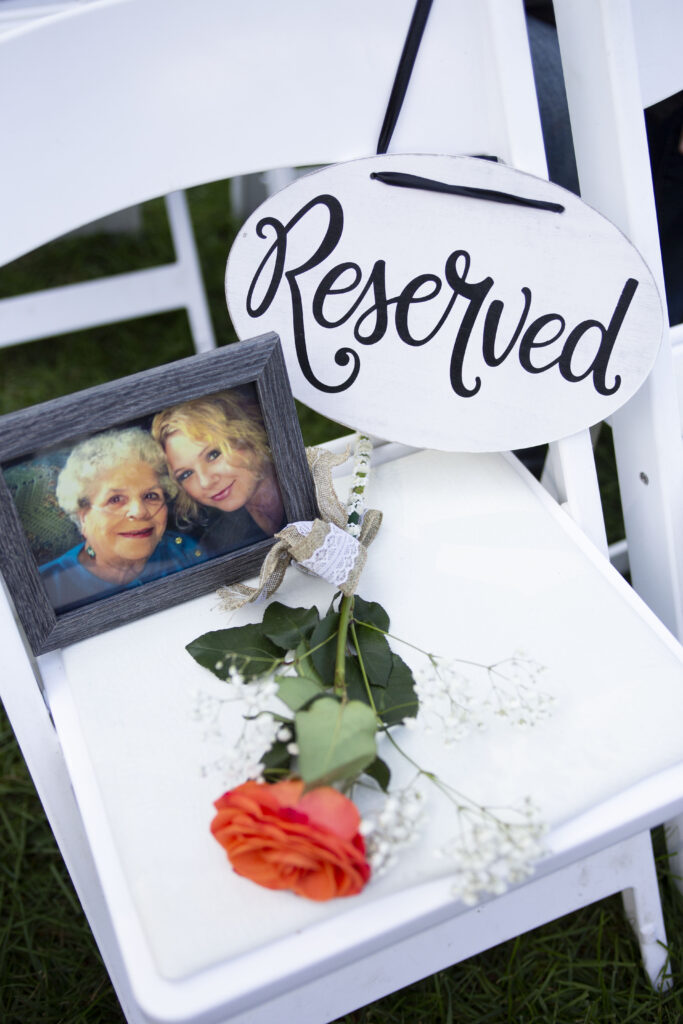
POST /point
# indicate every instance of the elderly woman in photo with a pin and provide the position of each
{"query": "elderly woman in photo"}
(116, 488)
(218, 454)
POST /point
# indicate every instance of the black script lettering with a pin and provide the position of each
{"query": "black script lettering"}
(410, 295)
(475, 293)
(328, 311)
(609, 335)
(491, 324)
(326, 287)
(278, 251)
(529, 342)
(376, 284)
(380, 307)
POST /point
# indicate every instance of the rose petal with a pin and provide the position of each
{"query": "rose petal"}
(330, 809)
(282, 840)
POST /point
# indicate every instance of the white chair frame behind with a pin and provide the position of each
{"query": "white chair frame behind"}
(620, 56)
(632, 62)
(75, 307)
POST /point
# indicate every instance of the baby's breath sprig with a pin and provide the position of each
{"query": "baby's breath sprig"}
(516, 693)
(493, 849)
(453, 702)
(392, 827)
(242, 758)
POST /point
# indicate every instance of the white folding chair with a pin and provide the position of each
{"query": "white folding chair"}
(104, 724)
(177, 285)
(632, 62)
(618, 57)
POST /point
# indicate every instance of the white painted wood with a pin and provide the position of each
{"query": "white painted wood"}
(119, 298)
(644, 910)
(367, 282)
(89, 304)
(32, 724)
(619, 57)
(166, 115)
(17, 13)
(600, 66)
(571, 467)
(676, 335)
(104, 300)
(658, 30)
(191, 291)
(482, 559)
(583, 766)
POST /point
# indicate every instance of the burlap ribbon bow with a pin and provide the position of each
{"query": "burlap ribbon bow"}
(322, 547)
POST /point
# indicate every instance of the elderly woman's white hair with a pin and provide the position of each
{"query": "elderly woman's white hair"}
(90, 460)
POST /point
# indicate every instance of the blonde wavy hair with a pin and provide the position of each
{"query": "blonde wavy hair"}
(228, 421)
(90, 460)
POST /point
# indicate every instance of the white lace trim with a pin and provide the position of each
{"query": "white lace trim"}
(334, 559)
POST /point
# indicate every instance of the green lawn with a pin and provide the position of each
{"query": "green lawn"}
(583, 968)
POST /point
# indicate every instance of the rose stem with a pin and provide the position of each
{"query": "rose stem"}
(345, 611)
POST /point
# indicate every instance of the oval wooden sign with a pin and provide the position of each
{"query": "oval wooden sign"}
(428, 313)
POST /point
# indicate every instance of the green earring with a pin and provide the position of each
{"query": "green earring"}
(90, 551)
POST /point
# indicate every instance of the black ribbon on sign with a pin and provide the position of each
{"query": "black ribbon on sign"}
(403, 180)
(403, 73)
(398, 93)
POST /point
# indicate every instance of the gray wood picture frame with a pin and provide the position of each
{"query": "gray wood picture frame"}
(256, 361)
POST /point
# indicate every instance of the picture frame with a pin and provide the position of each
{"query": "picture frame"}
(254, 367)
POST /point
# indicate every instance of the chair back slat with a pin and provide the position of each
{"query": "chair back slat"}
(127, 101)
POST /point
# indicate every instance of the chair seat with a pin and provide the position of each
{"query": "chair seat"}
(473, 561)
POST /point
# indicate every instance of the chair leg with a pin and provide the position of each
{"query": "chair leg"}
(187, 258)
(674, 845)
(644, 911)
(40, 747)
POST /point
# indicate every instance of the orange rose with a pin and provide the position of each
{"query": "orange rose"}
(283, 840)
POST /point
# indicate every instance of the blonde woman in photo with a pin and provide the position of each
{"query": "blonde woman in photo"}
(218, 455)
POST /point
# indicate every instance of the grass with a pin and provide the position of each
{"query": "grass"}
(582, 969)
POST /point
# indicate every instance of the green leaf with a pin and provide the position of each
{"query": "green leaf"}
(276, 762)
(376, 655)
(379, 771)
(324, 656)
(296, 691)
(355, 684)
(286, 626)
(336, 741)
(397, 700)
(301, 651)
(393, 702)
(304, 664)
(245, 647)
(370, 611)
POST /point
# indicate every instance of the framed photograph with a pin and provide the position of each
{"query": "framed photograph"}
(121, 500)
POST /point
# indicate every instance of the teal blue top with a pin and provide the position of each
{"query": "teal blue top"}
(69, 584)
